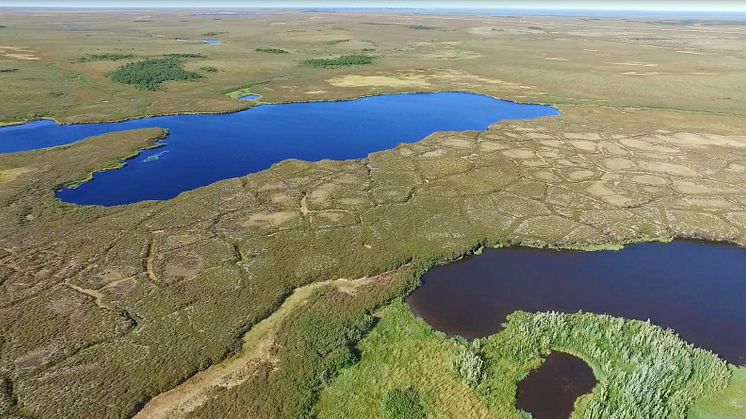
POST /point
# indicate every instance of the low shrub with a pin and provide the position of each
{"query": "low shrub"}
(150, 73)
(403, 404)
(343, 61)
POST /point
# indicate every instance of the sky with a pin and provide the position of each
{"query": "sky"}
(641, 5)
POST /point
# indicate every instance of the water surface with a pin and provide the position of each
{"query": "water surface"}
(695, 288)
(550, 391)
(202, 149)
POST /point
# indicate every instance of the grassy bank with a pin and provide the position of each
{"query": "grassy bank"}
(643, 371)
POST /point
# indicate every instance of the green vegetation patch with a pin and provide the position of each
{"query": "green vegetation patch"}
(422, 27)
(207, 34)
(403, 404)
(209, 69)
(150, 73)
(642, 370)
(272, 50)
(729, 403)
(8, 70)
(343, 61)
(103, 57)
(469, 362)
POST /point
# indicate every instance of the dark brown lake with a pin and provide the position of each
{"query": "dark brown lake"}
(550, 391)
(697, 289)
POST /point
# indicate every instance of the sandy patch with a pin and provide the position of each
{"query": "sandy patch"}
(9, 175)
(618, 163)
(640, 73)
(18, 53)
(584, 145)
(556, 59)
(650, 180)
(452, 54)
(520, 153)
(693, 139)
(405, 80)
(420, 80)
(648, 146)
(582, 136)
(581, 174)
(272, 218)
(668, 168)
(636, 64)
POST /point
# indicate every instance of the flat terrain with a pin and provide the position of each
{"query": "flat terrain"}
(103, 310)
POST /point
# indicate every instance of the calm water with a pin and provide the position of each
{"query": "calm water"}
(695, 288)
(550, 391)
(211, 41)
(202, 149)
(250, 97)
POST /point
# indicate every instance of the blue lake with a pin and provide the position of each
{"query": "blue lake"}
(211, 41)
(202, 149)
(250, 97)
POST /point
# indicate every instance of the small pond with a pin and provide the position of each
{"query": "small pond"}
(695, 288)
(250, 97)
(202, 149)
(550, 391)
(211, 41)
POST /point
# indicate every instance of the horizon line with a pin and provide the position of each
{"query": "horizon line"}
(384, 7)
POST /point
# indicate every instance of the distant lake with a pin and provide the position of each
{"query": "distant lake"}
(697, 289)
(211, 41)
(202, 149)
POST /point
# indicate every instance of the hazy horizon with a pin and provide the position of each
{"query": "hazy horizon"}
(612, 5)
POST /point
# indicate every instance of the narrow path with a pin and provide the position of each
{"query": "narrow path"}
(194, 392)
(98, 297)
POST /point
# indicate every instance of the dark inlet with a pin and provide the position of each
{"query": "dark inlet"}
(550, 391)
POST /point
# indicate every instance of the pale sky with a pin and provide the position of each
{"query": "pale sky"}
(641, 5)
